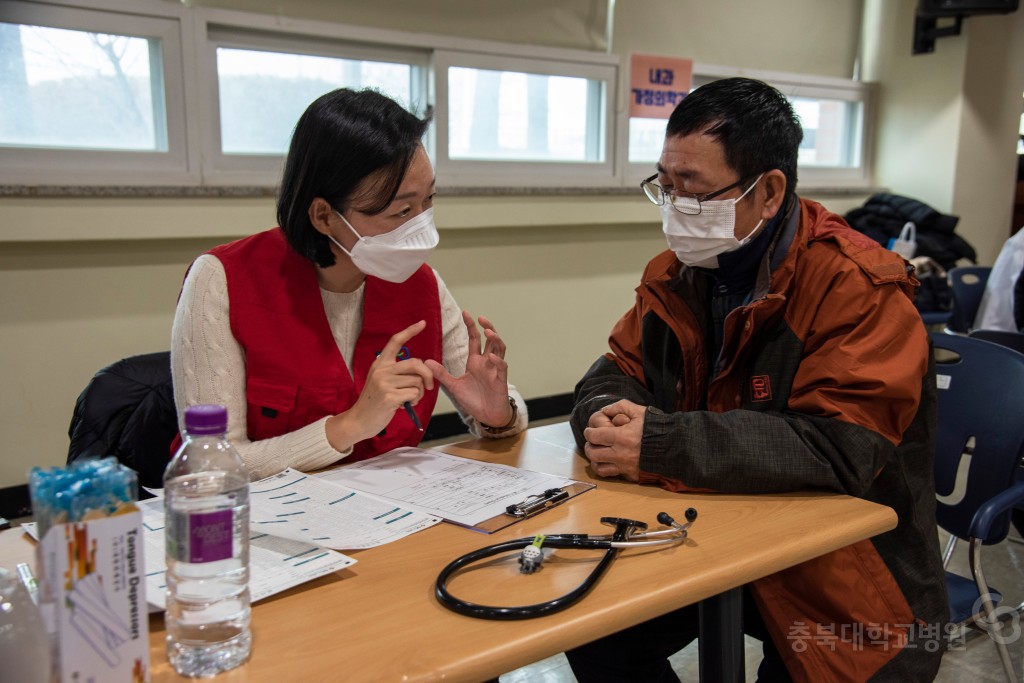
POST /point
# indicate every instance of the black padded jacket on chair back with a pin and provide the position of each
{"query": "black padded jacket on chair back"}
(127, 411)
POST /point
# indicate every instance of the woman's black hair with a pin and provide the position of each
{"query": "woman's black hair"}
(754, 122)
(341, 138)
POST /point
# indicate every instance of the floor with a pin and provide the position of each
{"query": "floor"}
(976, 662)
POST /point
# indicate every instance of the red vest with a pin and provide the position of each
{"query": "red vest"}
(295, 374)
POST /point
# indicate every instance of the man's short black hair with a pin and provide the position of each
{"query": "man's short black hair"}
(754, 122)
(341, 138)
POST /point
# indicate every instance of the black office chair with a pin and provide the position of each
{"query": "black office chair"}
(978, 445)
(127, 411)
(968, 285)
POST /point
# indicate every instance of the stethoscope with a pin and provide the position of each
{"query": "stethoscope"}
(625, 536)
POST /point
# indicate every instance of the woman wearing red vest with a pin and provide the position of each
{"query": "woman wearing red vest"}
(316, 333)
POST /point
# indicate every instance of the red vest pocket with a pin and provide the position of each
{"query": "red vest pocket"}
(270, 407)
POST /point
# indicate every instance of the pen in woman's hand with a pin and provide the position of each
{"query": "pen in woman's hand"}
(407, 405)
(412, 415)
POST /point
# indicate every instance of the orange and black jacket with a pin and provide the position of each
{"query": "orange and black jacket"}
(824, 381)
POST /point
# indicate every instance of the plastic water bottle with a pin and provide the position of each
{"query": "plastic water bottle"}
(206, 498)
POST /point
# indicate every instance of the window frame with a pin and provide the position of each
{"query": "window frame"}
(300, 38)
(190, 37)
(814, 178)
(84, 166)
(503, 173)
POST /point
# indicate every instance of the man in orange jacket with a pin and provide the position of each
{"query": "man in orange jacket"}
(772, 348)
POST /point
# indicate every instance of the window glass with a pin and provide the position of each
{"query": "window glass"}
(80, 90)
(515, 116)
(829, 132)
(646, 137)
(262, 94)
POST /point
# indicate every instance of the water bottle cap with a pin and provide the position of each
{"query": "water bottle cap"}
(206, 419)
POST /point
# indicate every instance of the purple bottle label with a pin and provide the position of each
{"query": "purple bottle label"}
(209, 536)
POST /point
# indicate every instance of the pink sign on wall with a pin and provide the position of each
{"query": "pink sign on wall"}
(657, 85)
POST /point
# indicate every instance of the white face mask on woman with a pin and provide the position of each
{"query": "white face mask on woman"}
(698, 239)
(395, 255)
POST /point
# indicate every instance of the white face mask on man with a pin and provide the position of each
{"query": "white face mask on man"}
(394, 256)
(698, 239)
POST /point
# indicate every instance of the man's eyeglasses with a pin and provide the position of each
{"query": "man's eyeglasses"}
(687, 203)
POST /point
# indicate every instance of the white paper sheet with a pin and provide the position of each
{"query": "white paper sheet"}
(275, 564)
(297, 506)
(461, 490)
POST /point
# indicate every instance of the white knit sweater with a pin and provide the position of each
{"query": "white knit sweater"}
(208, 366)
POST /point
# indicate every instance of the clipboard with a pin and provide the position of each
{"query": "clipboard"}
(531, 507)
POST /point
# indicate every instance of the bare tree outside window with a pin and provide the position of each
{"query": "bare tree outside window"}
(263, 94)
(80, 90)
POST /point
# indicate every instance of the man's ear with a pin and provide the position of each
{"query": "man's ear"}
(320, 212)
(774, 184)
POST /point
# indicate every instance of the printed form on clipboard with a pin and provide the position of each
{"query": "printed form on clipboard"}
(481, 495)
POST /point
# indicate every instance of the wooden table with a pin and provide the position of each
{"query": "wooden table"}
(379, 621)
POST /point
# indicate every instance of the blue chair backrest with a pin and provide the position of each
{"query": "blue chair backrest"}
(1011, 340)
(979, 429)
(967, 284)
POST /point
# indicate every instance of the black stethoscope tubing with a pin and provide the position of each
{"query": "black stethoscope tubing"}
(540, 609)
(611, 544)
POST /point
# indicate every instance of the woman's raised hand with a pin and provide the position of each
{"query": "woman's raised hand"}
(482, 391)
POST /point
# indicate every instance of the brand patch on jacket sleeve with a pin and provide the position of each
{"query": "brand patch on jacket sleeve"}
(760, 388)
